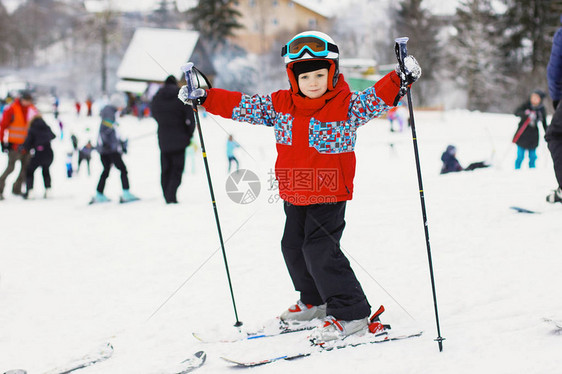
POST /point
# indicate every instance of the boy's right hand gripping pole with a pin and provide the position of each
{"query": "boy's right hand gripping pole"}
(401, 53)
(194, 95)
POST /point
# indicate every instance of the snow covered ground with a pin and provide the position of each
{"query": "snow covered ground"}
(145, 275)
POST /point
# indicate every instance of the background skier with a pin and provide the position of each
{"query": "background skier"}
(176, 125)
(231, 145)
(111, 147)
(39, 139)
(15, 120)
(85, 154)
(531, 112)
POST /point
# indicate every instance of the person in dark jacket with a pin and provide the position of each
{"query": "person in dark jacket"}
(111, 147)
(531, 113)
(39, 137)
(176, 124)
(554, 139)
(451, 164)
(554, 68)
(554, 131)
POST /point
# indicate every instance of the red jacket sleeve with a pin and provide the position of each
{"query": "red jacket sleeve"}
(388, 87)
(6, 120)
(222, 102)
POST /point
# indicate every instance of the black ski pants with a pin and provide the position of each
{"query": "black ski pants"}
(317, 266)
(172, 164)
(81, 158)
(41, 158)
(107, 161)
(555, 148)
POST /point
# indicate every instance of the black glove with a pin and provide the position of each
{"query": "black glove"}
(5, 147)
(125, 145)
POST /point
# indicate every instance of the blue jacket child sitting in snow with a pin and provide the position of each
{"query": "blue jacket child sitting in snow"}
(451, 164)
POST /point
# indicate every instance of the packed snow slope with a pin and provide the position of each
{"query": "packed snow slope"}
(145, 275)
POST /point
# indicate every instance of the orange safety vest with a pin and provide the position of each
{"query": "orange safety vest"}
(17, 130)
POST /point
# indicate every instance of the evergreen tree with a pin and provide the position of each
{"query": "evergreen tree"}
(476, 58)
(528, 27)
(215, 20)
(166, 15)
(527, 39)
(422, 28)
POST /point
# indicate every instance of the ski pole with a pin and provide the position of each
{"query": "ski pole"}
(401, 53)
(190, 82)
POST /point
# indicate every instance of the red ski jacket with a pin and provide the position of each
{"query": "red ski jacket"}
(315, 137)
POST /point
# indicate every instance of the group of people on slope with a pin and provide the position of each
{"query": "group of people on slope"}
(532, 113)
(29, 137)
(28, 142)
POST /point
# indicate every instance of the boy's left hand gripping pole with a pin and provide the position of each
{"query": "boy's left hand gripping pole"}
(193, 88)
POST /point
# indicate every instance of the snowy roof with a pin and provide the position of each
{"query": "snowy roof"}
(153, 54)
(131, 86)
(325, 8)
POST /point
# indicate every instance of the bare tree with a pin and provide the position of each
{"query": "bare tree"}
(422, 28)
(474, 54)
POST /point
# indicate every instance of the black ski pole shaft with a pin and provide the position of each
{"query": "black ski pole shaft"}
(191, 83)
(401, 53)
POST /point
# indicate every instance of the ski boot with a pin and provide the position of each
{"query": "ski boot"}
(301, 312)
(555, 196)
(335, 329)
(99, 198)
(28, 195)
(127, 197)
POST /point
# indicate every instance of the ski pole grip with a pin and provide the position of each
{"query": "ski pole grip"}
(401, 50)
(189, 78)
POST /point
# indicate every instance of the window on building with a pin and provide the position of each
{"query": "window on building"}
(252, 3)
(275, 3)
(312, 23)
(275, 21)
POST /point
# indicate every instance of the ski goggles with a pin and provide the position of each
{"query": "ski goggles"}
(314, 45)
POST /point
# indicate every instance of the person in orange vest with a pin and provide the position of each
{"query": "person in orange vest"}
(89, 106)
(15, 121)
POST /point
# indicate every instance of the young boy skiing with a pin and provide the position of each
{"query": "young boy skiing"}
(315, 124)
